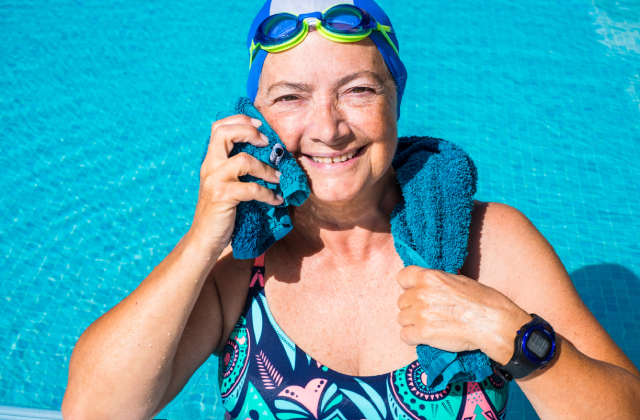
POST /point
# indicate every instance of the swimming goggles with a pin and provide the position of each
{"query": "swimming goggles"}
(340, 23)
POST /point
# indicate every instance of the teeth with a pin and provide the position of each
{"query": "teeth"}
(337, 159)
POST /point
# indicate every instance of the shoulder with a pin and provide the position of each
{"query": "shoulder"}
(501, 239)
(508, 253)
(499, 221)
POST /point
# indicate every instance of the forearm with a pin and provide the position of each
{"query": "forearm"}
(122, 364)
(572, 385)
(575, 386)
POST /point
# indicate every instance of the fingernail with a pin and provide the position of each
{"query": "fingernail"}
(278, 174)
(256, 122)
(263, 137)
(280, 197)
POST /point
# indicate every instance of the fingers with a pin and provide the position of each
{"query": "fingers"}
(247, 191)
(244, 164)
(235, 119)
(404, 300)
(411, 335)
(406, 317)
(416, 297)
(220, 175)
(235, 129)
(409, 276)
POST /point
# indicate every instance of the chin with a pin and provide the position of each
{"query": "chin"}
(332, 197)
(337, 190)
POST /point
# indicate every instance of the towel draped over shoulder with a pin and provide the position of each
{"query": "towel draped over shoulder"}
(430, 225)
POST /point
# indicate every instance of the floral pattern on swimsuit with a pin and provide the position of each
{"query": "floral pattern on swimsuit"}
(263, 375)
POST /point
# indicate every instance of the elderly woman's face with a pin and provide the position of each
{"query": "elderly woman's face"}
(332, 102)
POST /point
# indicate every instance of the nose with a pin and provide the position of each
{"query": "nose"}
(326, 123)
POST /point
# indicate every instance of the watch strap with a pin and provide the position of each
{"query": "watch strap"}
(519, 366)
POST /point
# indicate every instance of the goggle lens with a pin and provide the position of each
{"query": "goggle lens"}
(341, 23)
(346, 19)
(278, 27)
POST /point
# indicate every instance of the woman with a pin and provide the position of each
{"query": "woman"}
(338, 294)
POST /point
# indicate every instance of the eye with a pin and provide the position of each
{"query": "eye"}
(360, 90)
(287, 98)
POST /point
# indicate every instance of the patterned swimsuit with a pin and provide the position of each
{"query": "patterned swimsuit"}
(263, 375)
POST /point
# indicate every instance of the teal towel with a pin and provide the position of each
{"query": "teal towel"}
(259, 225)
(430, 226)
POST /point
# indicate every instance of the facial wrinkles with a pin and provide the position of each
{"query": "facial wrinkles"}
(325, 120)
(317, 60)
(325, 117)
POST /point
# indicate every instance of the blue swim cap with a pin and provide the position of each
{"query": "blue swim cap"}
(298, 7)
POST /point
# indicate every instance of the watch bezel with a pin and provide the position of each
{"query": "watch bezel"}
(523, 362)
(551, 335)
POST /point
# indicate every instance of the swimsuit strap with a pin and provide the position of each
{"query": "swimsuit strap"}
(257, 273)
(259, 261)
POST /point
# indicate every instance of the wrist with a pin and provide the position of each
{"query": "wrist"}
(502, 348)
(534, 349)
(195, 246)
(200, 242)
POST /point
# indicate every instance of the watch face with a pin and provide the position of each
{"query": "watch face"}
(538, 344)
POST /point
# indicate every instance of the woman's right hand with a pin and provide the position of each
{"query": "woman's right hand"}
(137, 357)
(220, 187)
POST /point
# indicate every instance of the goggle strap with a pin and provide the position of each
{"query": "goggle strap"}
(384, 29)
(388, 29)
(252, 50)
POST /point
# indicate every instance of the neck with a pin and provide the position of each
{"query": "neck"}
(347, 230)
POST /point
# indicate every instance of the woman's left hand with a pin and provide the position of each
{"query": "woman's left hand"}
(455, 313)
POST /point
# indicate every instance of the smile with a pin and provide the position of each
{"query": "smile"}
(334, 159)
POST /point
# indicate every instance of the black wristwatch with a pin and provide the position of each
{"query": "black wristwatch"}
(535, 346)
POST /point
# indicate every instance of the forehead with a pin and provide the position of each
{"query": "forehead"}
(298, 7)
(318, 60)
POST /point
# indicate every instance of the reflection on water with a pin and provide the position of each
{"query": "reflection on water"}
(618, 22)
(622, 10)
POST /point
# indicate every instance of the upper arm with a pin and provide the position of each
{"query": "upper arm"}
(508, 253)
(212, 319)
(199, 338)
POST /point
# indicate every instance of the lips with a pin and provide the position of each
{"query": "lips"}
(334, 159)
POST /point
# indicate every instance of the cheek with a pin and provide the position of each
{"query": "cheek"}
(385, 149)
(288, 127)
(378, 117)
(382, 156)
(380, 126)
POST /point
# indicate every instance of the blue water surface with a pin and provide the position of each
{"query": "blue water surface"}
(104, 108)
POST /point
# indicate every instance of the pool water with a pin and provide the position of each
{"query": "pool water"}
(104, 109)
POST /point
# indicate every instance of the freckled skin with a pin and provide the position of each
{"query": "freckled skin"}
(318, 114)
(335, 283)
(331, 118)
